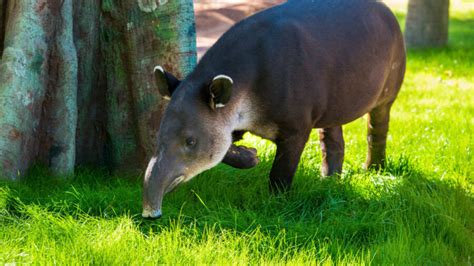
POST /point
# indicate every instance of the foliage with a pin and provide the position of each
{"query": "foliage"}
(420, 210)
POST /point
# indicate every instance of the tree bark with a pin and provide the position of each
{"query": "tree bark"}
(136, 37)
(22, 86)
(76, 81)
(91, 134)
(427, 23)
(3, 10)
(59, 112)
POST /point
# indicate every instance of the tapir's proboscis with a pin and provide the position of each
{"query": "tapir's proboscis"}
(278, 74)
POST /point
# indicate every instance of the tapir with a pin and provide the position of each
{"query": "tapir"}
(278, 74)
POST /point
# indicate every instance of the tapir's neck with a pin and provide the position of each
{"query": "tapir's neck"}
(240, 111)
(246, 115)
(243, 112)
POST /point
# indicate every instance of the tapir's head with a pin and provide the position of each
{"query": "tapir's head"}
(194, 135)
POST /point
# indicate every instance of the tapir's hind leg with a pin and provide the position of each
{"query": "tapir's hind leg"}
(332, 148)
(377, 128)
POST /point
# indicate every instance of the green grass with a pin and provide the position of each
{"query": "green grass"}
(420, 210)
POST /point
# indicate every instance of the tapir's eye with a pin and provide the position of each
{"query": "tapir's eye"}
(191, 142)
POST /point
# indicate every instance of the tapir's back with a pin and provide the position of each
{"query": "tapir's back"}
(331, 57)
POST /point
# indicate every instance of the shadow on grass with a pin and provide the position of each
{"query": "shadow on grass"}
(359, 211)
(91, 192)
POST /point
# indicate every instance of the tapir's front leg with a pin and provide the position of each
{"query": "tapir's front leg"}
(241, 157)
(286, 161)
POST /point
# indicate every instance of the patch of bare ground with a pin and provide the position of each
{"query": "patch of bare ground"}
(213, 18)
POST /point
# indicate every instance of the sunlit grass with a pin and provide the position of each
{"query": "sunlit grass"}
(419, 211)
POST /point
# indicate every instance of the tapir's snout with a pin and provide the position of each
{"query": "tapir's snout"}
(165, 172)
(159, 180)
(151, 214)
(154, 197)
(152, 203)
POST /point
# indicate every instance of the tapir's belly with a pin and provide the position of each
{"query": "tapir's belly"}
(347, 107)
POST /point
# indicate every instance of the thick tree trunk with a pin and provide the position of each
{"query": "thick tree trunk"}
(427, 23)
(76, 83)
(59, 113)
(22, 85)
(91, 134)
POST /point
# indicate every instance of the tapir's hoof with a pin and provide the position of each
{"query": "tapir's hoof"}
(241, 157)
(374, 166)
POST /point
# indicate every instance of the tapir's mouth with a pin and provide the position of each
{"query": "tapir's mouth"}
(174, 183)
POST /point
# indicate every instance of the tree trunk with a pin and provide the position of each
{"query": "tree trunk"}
(427, 23)
(76, 81)
(3, 10)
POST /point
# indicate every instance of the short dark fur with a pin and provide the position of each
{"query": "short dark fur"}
(314, 64)
(301, 65)
(240, 157)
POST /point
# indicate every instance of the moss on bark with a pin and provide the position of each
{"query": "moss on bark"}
(76, 80)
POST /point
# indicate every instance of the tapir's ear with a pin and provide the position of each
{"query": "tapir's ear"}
(220, 91)
(166, 82)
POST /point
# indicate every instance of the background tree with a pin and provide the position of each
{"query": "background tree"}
(76, 81)
(427, 23)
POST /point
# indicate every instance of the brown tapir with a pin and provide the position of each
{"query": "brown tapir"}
(278, 74)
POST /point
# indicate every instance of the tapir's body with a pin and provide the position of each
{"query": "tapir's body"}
(292, 68)
(310, 63)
